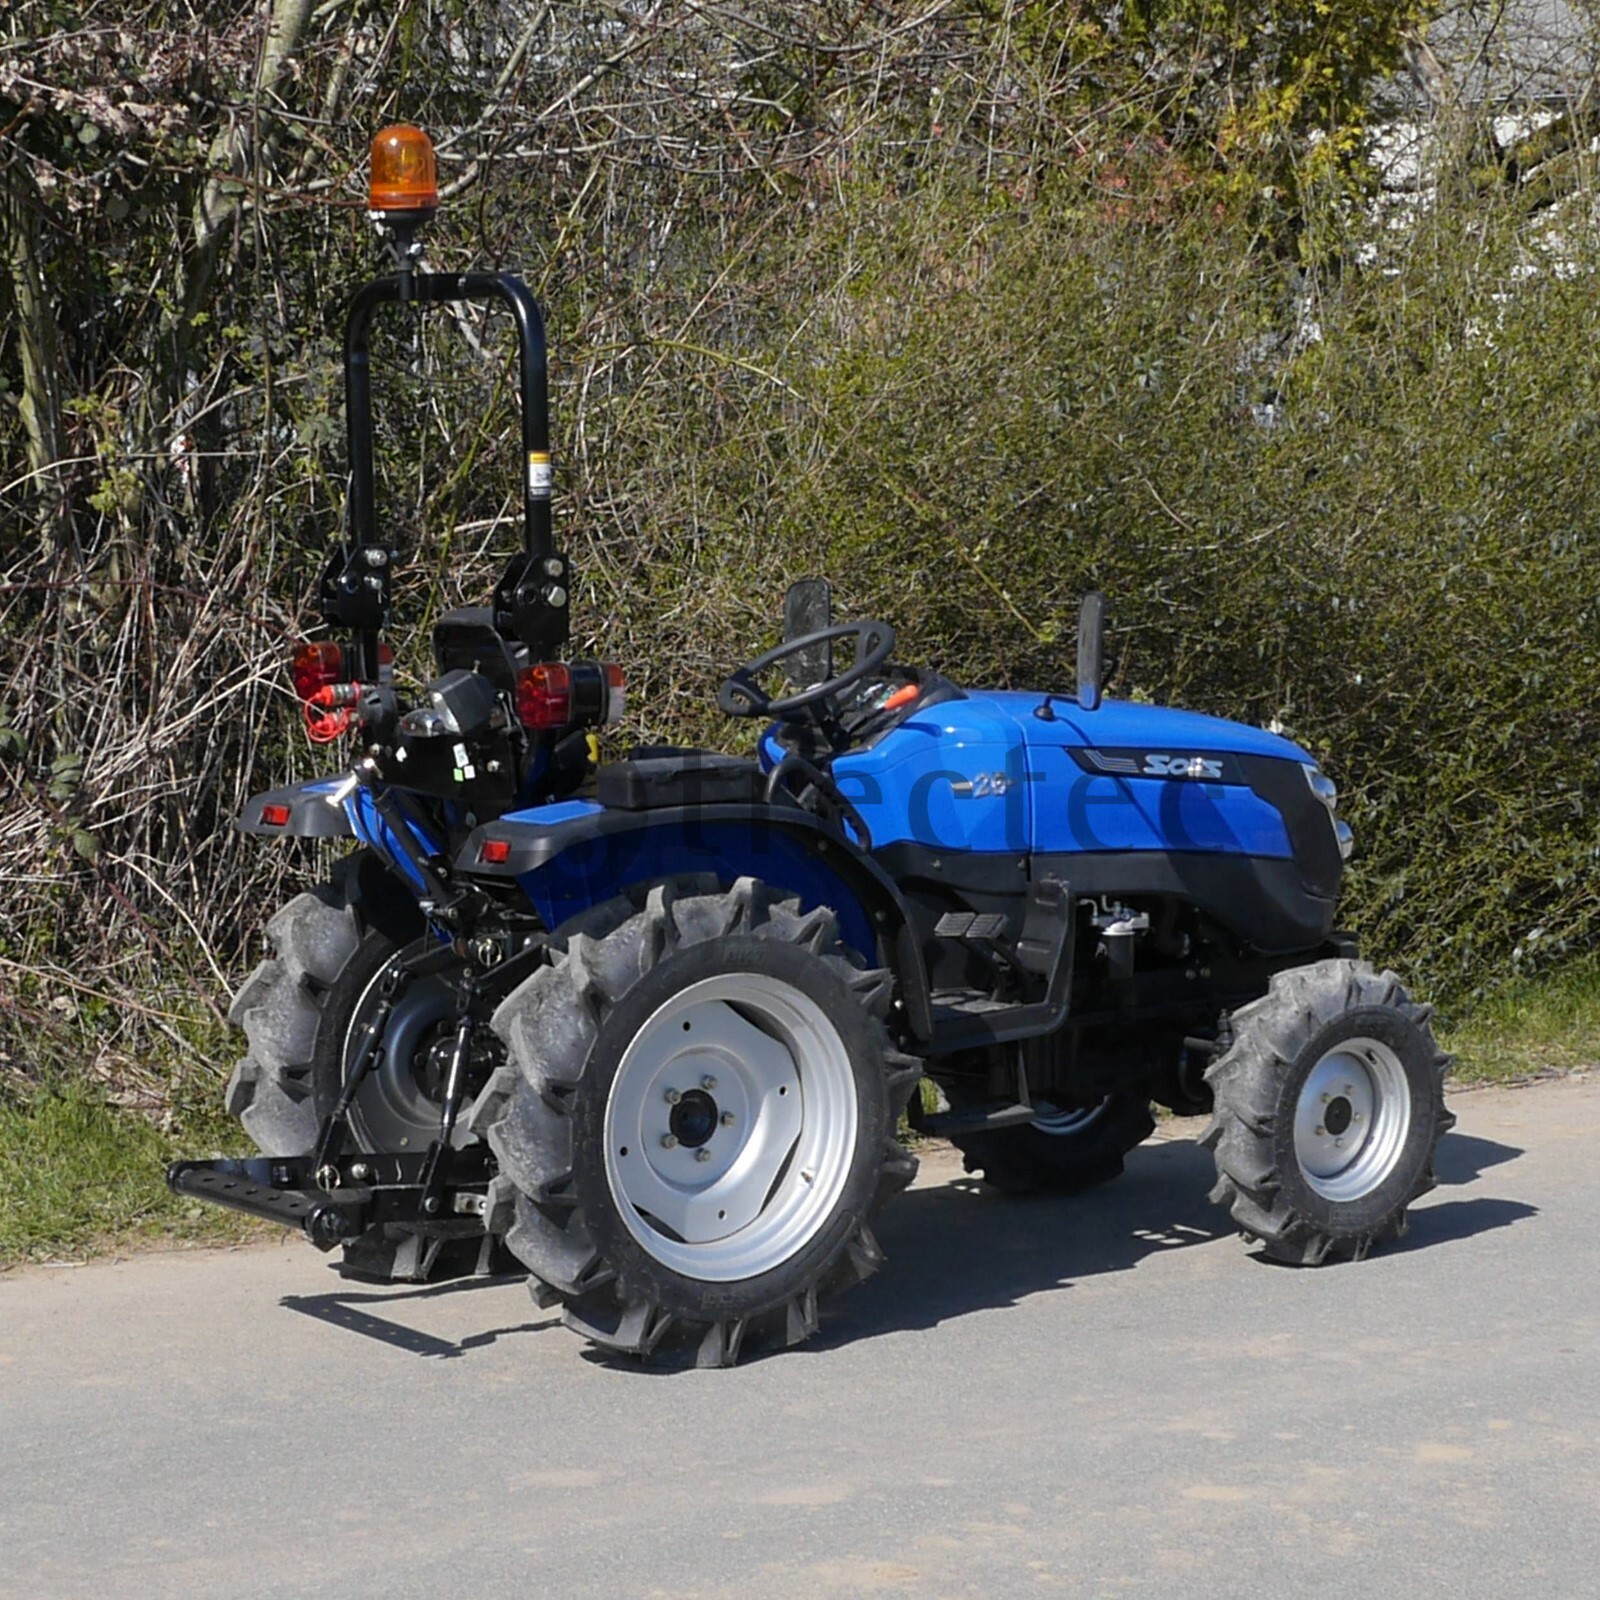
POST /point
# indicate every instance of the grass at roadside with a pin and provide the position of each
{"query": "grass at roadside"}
(1530, 1028)
(80, 1178)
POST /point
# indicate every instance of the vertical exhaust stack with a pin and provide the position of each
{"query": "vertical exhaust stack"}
(1091, 649)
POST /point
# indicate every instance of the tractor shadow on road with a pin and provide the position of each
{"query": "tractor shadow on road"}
(372, 1312)
(1460, 1159)
(960, 1247)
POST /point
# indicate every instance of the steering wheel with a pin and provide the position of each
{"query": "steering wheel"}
(741, 696)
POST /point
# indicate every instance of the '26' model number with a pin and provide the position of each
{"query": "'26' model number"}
(983, 785)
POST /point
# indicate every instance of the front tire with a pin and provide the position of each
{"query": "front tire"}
(1329, 1106)
(1063, 1150)
(697, 1121)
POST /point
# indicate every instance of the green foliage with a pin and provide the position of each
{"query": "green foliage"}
(1263, 103)
(970, 308)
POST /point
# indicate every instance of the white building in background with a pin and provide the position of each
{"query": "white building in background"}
(1505, 54)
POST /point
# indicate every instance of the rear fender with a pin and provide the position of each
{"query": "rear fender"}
(575, 854)
(310, 816)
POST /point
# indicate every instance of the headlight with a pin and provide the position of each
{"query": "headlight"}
(1324, 788)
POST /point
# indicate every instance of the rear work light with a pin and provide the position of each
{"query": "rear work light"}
(404, 180)
(582, 694)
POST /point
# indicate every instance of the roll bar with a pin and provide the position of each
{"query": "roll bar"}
(532, 596)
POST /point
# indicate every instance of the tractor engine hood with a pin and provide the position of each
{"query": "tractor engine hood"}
(1129, 725)
(1122, 798)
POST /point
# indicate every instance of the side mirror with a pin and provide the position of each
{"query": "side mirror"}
(1091, 649)
(808, 608)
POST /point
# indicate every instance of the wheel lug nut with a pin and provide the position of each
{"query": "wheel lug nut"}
(726, 1119)
(669, 1141)
(672, 1097)
(1321, 1132)
(702, 1154)
(1338, 1144)
(1326, 1098)
(708, 1083)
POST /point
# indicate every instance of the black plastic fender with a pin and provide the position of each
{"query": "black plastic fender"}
(310, 815)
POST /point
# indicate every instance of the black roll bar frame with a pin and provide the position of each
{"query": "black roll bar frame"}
(532, 596)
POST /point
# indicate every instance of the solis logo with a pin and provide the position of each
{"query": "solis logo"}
(1163, 766)
(1155, 764)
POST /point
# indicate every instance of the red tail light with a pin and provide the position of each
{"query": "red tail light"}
(274, 816)
(316, 666)
(494, 852)
(544, 695)
(584, 694)
(324, 680)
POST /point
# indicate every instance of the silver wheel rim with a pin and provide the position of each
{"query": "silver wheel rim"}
(391, 1111)
(747, 1164)
(1060, 1123)
(1351, 1119)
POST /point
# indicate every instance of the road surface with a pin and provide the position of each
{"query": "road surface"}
(1104, 1396)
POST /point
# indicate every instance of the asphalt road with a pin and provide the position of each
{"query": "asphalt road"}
(1097, 1397)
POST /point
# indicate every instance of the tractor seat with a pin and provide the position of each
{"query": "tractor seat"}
(668, 775)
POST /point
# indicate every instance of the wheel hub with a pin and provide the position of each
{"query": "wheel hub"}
(397, 1107)
(431, 1064)
(694, 1119)
(1351, 1119)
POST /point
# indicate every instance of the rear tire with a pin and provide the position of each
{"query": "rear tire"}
(279, 1007)
(696, 1123)
(1329, 1106)
(299, 1010)
(1060, 1151)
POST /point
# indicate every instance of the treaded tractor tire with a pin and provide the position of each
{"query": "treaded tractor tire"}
(696, 1122)
(297, 1010)
(1060, 1152)
(279, 1007)
(1329, 1106)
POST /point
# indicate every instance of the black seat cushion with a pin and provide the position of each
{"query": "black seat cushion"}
(685, 778)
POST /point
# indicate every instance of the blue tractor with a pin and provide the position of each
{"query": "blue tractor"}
(653, 1029)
